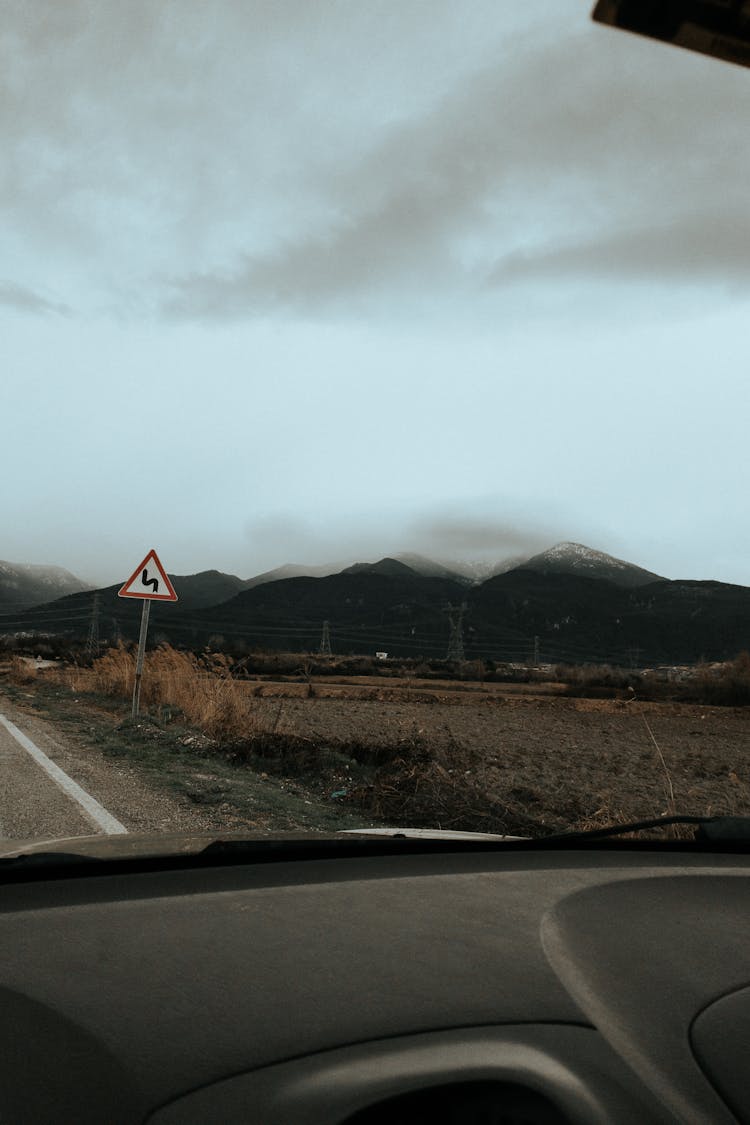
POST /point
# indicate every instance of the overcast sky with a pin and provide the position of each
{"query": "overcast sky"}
(302, 280)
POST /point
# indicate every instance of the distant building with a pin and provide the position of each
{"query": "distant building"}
(381, 655)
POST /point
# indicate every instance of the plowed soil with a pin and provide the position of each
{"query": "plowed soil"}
(579, 759)
(322, 755)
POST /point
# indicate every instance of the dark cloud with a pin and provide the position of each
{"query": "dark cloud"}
(307, 156)
(693, 250)
(579, 138)
(449, 534)
(26, 300)
(392, 248)
(439, 533)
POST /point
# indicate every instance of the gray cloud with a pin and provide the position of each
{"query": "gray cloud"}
(223, 161)
(448, 534)
(439, 533)
(499, 170)
(164, 136)
(27, 300)
(691, 250)
(392, 247)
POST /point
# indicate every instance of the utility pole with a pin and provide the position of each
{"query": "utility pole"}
(325, 641)
(456, 639)
(92, 643)
(536, 652)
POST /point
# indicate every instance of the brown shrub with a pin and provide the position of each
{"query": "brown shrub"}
(21, 671)
(426, 786)
(595, 679)
(726, 686)
(207, 696)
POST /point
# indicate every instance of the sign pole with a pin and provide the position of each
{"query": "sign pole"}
(139, 660)
(149, 582)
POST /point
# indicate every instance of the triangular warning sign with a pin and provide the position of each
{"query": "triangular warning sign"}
(149, 580)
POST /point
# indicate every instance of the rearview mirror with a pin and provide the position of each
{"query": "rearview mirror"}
(713, 27)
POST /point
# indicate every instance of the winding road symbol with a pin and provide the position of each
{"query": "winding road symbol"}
(152, 582)
(149, 581)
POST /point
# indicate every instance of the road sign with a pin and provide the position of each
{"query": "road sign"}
(149, 581)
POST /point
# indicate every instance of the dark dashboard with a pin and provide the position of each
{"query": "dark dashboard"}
(491, 986)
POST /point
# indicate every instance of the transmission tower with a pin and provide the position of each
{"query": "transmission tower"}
(325, 641)
(456, 639)
(92, 642)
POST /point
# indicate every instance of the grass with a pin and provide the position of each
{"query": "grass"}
(203, 692)
(186, 764)
(21, 671)
(190, 769)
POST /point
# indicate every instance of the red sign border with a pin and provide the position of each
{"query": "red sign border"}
(170, 597)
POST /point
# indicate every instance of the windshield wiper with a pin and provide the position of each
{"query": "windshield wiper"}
(710, 829)
(711, 832)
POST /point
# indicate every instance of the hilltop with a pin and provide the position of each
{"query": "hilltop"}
(569, 604)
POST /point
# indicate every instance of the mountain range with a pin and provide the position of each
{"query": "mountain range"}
(23, 584)
(570, 603)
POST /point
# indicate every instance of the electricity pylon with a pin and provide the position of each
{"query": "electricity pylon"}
(456, 639)
(92, 642)
(325, 641)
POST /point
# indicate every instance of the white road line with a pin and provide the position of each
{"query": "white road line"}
(93, 810)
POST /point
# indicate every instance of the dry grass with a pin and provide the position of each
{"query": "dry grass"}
(21, 671)
(432, 787)
(205, 694)
(727, 685)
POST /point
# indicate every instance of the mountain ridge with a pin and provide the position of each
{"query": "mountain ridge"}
(576, 558)
(23, 585)
(387, 606)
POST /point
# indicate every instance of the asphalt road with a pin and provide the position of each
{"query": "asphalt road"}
(55, 783)
(38, 799)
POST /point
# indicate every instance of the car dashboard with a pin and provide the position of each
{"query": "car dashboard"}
(487, 985)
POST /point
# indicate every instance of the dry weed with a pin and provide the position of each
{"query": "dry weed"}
(208, 697)
(21, 671)
(432, 787)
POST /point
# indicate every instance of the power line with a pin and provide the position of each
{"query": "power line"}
(24, 623)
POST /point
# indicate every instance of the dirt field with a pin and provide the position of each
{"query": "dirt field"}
(573, 760)
(492, 757)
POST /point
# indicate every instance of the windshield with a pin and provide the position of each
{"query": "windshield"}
(375, 419)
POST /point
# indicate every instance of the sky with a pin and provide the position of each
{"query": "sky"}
(313, 280)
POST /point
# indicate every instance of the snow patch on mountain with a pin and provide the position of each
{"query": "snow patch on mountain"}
(583, 556)
(576, 558)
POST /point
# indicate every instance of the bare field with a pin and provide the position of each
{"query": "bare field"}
(379, 687)
(563, 760)
(519, 758)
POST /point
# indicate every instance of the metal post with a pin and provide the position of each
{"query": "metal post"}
(139, 659)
